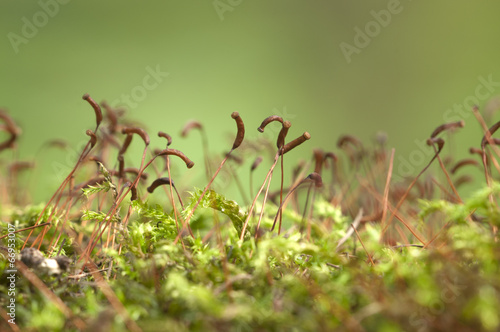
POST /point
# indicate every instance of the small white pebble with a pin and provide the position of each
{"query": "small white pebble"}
(50, 266)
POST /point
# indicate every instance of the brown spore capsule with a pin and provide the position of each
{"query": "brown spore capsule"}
(296, 142)
(281, 136)
(121, 166)
(241, 130)
(137, 131)
(189, 126)
(9, 122)
(133, 191)
(436, 140)
(330, 155)
(462, 163)
(476, 151)
(112, 117)
(9, 143)
(268, 120)
(256, 163)
(20, 166)
(93, 138)
(179, 154)
(318, 181)
(126, 144)
(96, 107)
(343, 140)
(447, 126)
(58, 143)
(11, 128)
(490, 132)
(463, 179)
(159, 182)
(167, 136)
(318, 160)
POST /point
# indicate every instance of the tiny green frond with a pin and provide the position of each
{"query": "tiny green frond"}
(97, 216)
(90, 190)
(218, 202)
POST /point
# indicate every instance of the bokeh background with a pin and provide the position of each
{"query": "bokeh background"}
(304, 60)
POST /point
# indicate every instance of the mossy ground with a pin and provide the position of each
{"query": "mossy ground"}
(354, 251)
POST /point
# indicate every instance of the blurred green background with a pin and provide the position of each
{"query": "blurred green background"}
(402, 74)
